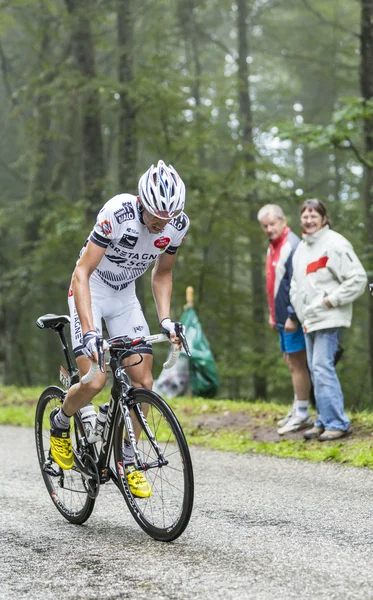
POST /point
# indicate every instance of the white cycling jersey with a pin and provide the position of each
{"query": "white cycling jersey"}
(130, 247)
(130, 250)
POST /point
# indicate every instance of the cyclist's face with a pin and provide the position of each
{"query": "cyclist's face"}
(272, 226)
(154, 224)
(311, 221)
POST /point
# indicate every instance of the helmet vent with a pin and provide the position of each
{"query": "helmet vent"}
(161, 191)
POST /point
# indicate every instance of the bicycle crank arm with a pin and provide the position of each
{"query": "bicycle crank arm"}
(85, 472)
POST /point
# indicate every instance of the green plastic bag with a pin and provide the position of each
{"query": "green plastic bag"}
(204, 379)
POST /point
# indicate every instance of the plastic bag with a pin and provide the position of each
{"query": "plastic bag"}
(175, 381)
(203, 375)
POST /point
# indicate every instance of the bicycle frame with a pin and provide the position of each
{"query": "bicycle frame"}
(119, 401)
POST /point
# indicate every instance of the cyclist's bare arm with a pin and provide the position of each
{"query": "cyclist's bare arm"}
(79, 395)
(162, 287)
(87, 263)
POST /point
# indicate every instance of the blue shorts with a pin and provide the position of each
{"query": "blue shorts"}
(291, 342)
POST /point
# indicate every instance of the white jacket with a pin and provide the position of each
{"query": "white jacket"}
(325, 265)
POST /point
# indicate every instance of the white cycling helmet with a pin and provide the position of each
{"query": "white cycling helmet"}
(161, 191)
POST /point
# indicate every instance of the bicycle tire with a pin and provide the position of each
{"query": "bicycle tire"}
(67, 488)
(166, 513)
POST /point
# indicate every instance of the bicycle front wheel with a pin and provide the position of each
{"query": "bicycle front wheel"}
(167, 466)
(67, 488)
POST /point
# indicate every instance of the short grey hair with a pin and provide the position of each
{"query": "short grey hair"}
(271, 209)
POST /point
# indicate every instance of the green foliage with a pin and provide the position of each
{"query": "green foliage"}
(346, 123)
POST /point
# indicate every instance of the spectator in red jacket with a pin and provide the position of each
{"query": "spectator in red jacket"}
(282, 318)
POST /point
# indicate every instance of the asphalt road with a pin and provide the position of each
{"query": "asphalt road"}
(262, 528)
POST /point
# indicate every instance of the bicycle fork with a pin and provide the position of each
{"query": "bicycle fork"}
(149, 434)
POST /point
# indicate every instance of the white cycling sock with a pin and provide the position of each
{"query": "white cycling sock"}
(61, 420)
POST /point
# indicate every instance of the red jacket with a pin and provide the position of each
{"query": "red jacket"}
(279, 270)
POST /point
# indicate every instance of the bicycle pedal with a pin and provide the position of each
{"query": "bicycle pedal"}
(51, 471)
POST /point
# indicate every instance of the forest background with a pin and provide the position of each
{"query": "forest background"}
(253, 102)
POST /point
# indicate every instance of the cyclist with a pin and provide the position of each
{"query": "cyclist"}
(131, 233)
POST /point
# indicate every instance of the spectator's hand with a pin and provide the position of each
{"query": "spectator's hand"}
(168, 326)
(271, 323)
(290, 325)
(327, 303)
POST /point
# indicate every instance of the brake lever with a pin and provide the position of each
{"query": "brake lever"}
(180, 329)
(101, 354)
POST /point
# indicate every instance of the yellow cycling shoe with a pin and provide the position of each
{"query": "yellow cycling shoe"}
(61, 448)
(138, 483)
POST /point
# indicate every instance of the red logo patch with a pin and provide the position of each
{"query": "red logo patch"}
(106, 227)
(316, 265)
(70, 291)
(162, 242)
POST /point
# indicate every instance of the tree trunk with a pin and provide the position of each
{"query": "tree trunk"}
(366, 87)
(127, 113)
(127, 149)
(257, 275)
(92, 145)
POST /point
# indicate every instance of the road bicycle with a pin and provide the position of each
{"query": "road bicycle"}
(160, 451)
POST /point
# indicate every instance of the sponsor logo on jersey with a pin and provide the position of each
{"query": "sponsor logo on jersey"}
(106, 227)
(138, 328)
(118, 260)
(128, 241)
(162, 243)
(179, 222)
(126, 213)
(70, 291)
(77, 328)
(129, 230)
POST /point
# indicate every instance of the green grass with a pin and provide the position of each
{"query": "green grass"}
(227, 425)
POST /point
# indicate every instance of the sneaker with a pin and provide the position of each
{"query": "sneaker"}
(284, 420)
(296, 424)
(61, 448)
(313, 433)
(138, 483)
(333, 434)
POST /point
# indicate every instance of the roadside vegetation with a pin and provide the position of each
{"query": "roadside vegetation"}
(229, 426)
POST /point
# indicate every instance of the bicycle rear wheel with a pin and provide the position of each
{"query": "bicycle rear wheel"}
(67, 489)
(166, 513)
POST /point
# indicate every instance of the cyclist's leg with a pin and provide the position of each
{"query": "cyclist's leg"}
(141, 377)
(79, 394)
(127, 318)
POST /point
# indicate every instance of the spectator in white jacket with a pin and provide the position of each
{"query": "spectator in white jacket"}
(327, 278)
